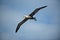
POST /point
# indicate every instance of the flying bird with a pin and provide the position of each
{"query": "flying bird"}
(30, 16)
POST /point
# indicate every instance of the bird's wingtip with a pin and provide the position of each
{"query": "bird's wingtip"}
(15, 31)
(46, 6)
(43, 7)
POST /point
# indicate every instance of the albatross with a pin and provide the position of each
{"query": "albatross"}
(30, 16)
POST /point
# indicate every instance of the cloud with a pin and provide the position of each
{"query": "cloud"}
(8, 36)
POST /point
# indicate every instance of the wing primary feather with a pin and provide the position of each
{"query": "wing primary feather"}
(19, 24)
(36, 10)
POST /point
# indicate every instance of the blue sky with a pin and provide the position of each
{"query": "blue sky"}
(45, 28)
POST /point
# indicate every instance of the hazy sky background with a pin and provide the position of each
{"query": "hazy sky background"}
(45, 28)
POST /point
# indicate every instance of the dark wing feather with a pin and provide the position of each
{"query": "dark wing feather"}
(36, 10)
(19, 24)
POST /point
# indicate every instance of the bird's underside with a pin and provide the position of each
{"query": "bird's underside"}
(30, 16)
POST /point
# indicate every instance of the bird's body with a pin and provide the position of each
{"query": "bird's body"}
(27, 16)
(30, 16)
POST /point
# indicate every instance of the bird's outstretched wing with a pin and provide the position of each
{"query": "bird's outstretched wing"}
(19, 24)
(36, 10)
